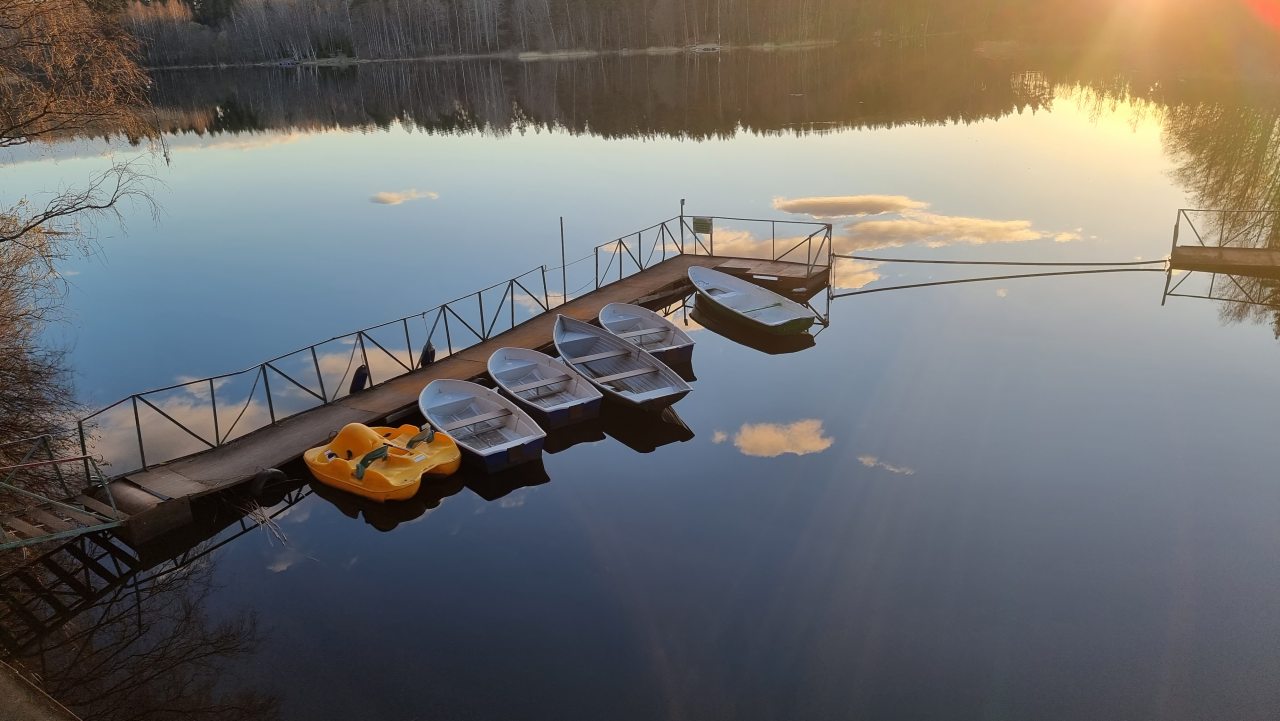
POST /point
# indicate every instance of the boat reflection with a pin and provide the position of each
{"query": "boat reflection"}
(386, 516)
(742, 335)
(644, 432)
(562, 439)
(492, 486)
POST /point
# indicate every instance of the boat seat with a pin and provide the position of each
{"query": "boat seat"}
(538, 384)
(599, 356)
(626, 374)
(644, 331)
(763, 307)
(476, 419)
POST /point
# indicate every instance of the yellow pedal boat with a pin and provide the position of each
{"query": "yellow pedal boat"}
(383, 464)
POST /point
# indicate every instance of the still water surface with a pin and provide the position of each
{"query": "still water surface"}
(1048, 498)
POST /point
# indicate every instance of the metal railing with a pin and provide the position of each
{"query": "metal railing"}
(46, 489)
(144, 429)
(631, 253)
(1228, 228)
(1258, 229)
(209, 412)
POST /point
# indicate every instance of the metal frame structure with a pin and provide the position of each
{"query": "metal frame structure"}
(646, 247)
(1222, 229)
(95, 571)
(48, 517)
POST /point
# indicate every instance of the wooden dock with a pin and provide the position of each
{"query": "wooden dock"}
(159, 498)
(1250, 262)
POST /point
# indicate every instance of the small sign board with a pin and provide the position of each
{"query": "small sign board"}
(701, 225)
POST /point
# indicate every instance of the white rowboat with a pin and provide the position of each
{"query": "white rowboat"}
(648, 330)
(619, 369)
(743, 300)
(551, 390)
(482, 422)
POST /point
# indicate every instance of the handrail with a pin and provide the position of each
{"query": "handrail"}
(482, 325)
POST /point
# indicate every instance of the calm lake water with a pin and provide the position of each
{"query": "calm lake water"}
(1051, 498)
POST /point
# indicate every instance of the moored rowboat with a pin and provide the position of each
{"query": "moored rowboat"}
(490, 427)
(648, 330)
(548, 388)
(618, 368)
(758, 307)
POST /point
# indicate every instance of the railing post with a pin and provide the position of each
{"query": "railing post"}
(408, 343)
(448, 339)
(773, 233)
(84, 450)
(711, 237)
(546, 296)
(511, 291)
(319, 375)
(695, 249)
(484, 329)
(621, 248)
(597, 254)
(266, 386)
(137, 427)
(213, 400)
(640, 250)
(564, 267)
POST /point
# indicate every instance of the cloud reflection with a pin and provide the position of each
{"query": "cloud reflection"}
(936, 231)
(845, 206)
(396, 197)
(769, 440)
(872, 462)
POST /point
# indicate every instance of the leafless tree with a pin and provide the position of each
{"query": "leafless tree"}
(66, 69)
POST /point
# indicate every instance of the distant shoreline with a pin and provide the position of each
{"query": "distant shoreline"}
(525, 56)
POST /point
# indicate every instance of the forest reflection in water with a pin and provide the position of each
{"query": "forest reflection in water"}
(691, 96)
(1222, 131)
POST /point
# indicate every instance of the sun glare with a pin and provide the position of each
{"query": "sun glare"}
(1267, 10)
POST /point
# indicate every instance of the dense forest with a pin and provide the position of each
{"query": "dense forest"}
(198, 32)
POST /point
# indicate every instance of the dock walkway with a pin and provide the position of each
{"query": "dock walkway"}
(158, 498)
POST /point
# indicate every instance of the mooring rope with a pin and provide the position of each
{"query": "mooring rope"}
(997, 277)
(999, 262)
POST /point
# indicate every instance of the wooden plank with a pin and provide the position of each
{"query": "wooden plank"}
(1249, 262)
(539, 384)
(96, 505)
(476, 419)
(23, 528)
(48, 520)
(626, 374)
(598, 356)
(22, 611)
(67, 577)
(81, 516)
(110, 547)
(42, 593)
(91, 564)
(166, 484)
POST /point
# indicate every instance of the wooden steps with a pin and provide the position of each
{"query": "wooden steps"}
(44, 594)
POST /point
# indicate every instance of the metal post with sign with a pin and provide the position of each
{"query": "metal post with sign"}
(704, 225)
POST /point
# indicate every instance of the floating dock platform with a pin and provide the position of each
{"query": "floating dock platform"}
(158, 499)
